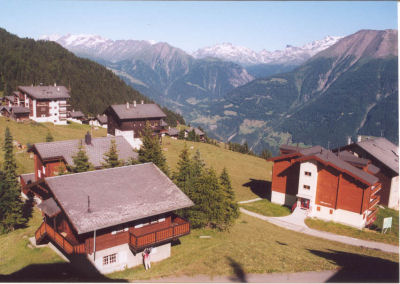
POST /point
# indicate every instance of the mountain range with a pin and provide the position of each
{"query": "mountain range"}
(316, 94)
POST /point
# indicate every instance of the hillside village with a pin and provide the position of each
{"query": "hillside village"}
(134, 160)
(106, 201)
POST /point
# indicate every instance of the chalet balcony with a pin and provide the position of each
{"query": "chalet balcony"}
(374, 202)
(376, 189)
(372, 216)
(179, 227)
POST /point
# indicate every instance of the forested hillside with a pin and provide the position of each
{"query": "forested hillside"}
(93, 87)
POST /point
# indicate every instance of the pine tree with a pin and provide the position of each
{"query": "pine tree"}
(230, 206)
(183, 175)
(181, 134)
(81, 161)
(111, 157)
(192, 136)
(49, 137)
(11, 205)
(151, 150)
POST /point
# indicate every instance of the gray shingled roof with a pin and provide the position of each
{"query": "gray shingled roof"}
(46, 92)
(76, 114)
(117, 196)
(351, 158)
(10, 98)
(95, 151)
(28, 178)
(196, 130)
(138, 112)
(20, 109)
(173, 132)
(330, 157)
(383, 150)
(49, 207)
(102, 118)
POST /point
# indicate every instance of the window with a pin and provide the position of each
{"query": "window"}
(318, 208)
(307, 173)
(44, 170)
(306, 187)
(108, 259)
(330, 211)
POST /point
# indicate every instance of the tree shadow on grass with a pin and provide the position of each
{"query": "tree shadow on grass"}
(262, 188)
(240, 275)
(79, 270)
(360, 268)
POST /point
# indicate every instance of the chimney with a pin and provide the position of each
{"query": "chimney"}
(127, 105)
(358, 138)
(88, 138)
(88, 204)
(348, 140)
(142, 102)
(134, 103)
(55, 85)
(58, 89)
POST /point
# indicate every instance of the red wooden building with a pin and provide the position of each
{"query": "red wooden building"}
(384, 156)
(112, 215)
(327, 185)
(16, 113)
(129, 120)
(52, 157)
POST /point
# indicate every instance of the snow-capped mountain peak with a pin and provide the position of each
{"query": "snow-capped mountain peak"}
(246, 56)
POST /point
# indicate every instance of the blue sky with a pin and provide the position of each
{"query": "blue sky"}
(192, 25)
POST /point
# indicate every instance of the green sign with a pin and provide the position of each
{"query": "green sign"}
(387, 224)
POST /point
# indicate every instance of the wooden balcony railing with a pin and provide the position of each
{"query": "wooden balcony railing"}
(179, 228)
(372, 216)
(66, 246)
(374, 202)
(376, 189)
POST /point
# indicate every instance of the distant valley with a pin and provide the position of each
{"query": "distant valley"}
(316, 94)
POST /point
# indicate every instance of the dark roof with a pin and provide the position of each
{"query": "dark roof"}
(20, 109)
(139, 111)
(351, 158)
(7, 108)
(383, 150)
(49, 207)
(117, 196)
(373, 169)
(327, 156)
(102, 118)
(196, 130)
(95, 151)
(289, 148)
(76, 114)
(28, 178)
(173, 132)
(46, 92)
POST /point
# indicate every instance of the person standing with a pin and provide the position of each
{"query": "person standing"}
(146, 258)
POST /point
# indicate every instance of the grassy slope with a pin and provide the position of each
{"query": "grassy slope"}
(391, 237)
(31, 132)
(241, 168)
(265, 207)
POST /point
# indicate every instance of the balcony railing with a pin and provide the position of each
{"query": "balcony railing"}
(178, 228)
(374, 202)
(46, 230)
(372, 216)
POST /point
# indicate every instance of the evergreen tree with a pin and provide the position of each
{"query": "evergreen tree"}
(111, 157)
(184, 173)
(192, 135)
(151, 150)
(11, 205)
(81, 161)
(266, 154)
(49, 137)
(230, 206)
(181, 134)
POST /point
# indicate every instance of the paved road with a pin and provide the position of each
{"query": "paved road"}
(299, 277)
(296, 223)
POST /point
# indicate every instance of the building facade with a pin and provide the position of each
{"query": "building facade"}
(330, 188)
(112, 215)
(129, 120)
(45, 103)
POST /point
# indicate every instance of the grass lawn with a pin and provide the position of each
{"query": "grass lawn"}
(256, 246)
(16, 251)
(248, 174)
(31, 132)
(266, 208)
(391, 237)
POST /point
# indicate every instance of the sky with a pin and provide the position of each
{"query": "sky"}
(191, 25)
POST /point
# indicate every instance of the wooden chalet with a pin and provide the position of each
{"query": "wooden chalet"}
(197, 131)
(77, 116)
(99, 121)
(17, 113)
(129, 120)
(329, 186)
(52, 157)
(384, 162)
(112, 215)
(46, 103)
